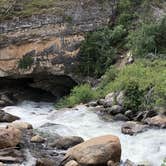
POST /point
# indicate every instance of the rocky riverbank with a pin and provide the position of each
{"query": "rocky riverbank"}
(111, 108)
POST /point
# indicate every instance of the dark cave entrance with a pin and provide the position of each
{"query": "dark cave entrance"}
(48, 88)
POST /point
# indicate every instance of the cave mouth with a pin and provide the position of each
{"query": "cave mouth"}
(38, 88)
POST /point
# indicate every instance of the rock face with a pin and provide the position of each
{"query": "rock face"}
(6, 117)
(9, 137)
(47, 44)
(97, 151)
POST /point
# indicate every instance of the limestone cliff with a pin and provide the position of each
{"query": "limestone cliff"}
(51, 41)
(42, 42)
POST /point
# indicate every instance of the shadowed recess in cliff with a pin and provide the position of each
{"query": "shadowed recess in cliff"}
(37, 87)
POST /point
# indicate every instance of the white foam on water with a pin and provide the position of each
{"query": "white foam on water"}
(149, 146)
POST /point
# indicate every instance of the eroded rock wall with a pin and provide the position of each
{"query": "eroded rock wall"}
(51, 40)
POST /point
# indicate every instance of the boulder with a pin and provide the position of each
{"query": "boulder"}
(156, 121)
(129, 114)
(37, 139)
(132, 128)
(21, 125)
(97, 151)
(120, 117)
(109, 100)
(150, 114)
(67, 142)
(115, 109)
(9, 137)
(120, 98)
(45, 162)
(139, 116)
(72, 163)
(6, 117)
(145, 114)
(92, 104)
(101, 101)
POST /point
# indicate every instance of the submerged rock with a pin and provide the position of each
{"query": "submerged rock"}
(37, 139)
(67, 142)
(9, 137)
(132, 128)
(6, 117)
(129, 163)
(97, 151)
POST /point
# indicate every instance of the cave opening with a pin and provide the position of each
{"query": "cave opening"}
(46, 88)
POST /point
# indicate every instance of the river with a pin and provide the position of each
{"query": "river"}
(148, 147)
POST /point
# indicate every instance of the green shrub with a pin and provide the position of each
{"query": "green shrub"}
(164, 163)
(79, 94)
(134, 97)
(149, 39)
(150, 79)
(109, 76)
(98, 50)
(26, 62)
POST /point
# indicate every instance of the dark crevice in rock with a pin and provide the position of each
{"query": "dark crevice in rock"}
(36, 87)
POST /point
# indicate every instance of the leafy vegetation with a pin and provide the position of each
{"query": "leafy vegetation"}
(143, 82)
(149, 39)
(164, 163)
(79, 94)
(26, 62)
(146, 77)
(99, 50)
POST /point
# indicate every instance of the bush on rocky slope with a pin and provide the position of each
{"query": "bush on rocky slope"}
(99, 50)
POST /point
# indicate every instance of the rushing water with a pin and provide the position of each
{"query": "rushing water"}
(148, 147)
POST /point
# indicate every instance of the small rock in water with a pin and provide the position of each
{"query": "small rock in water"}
(37, 139)
(66, 142)
(115, 109)
(6, 117)
(132, 128)
(156, 121)
(120, 117)
(129, 163)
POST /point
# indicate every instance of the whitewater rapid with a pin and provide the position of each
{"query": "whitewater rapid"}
(148, 147)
